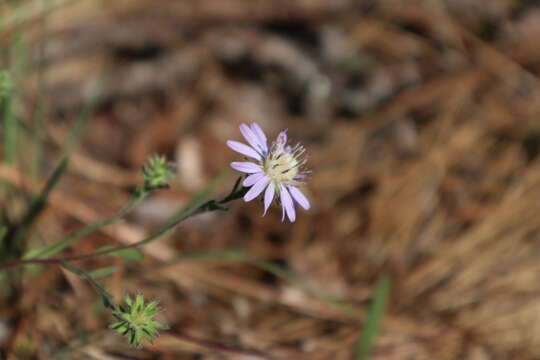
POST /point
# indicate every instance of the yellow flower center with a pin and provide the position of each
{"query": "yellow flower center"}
(281, 168)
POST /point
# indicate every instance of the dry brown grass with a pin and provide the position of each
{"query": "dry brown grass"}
(424, 159)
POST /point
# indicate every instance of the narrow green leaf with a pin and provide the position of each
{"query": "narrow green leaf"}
(102, 272)
(33, 252)
(39, 203)
(17, 60)
(10, 126)
(128, 254)
(107, 298)
(37, 123)
(55, 178)
(5, 83)
(376, 311)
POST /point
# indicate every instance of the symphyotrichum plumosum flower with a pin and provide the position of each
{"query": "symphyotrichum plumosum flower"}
(136, 320)
(277, 170)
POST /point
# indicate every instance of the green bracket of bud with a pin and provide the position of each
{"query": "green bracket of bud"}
(157, 172)
(136, 320)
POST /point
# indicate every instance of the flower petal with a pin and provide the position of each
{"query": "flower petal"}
(281, 139)
(299, 197)
(260, 134)
(252, 179)
(246, 167)
(268, 197)
(256, 189)
(251, 138)
(287, 203)
(243, 149)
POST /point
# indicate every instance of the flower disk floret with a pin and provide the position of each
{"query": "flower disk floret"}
(277, 170)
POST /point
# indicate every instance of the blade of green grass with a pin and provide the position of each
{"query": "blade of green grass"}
(12, 244)
(17, 61)
(38, 122)
(9, 118)
(376, 311)
(5, 108)
(10, 130)
(5, 83)
(76, 132)
(39, 203)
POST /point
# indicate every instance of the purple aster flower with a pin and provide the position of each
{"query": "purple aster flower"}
(276, 170)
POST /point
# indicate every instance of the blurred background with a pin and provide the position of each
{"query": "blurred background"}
(421, 120)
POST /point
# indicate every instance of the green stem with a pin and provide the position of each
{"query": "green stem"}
(211, 205)
(53, 249)
(108, 299)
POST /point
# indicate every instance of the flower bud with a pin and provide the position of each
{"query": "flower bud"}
(157, 172)
(136, 320)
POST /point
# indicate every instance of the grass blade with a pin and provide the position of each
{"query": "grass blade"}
(76, 132)
(39, 202)
(371, 327)
(12, 243)
(38, 118)
(10, 130)
(17, 60)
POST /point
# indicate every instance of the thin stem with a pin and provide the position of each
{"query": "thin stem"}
(211, 345)
(70, 239)
(211, 205)
(106, 296)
